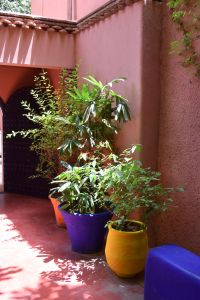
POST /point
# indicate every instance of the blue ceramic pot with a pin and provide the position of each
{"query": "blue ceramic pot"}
(86, 231)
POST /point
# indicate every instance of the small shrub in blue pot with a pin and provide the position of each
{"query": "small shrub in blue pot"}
(83, 204)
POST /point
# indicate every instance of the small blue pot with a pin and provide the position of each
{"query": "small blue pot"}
(86, 231)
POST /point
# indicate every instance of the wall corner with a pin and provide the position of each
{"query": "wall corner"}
(151, 46)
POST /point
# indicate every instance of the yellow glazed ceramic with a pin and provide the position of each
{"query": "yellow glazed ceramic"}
(126, 251)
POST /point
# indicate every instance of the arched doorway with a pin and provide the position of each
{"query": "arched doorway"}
(19, 161)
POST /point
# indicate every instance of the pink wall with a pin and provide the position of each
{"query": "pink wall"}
(130, 48)
(87, 6)
(37, 48)
(107, 56)
(54, 76)
(149, 118)
(65, 9)
(179, 147)
(14, 78)
(51, 9)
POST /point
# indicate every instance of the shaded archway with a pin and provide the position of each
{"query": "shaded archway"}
(19, 161)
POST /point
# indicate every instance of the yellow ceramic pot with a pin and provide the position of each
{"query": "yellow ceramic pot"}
(126, 251)
(59, 218)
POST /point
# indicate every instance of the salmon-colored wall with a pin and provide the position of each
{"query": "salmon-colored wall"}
(65, 9)
(107, 56)
(51, 9)
(54, 76)
(130, 48)
(149, 118)
(179, 147)
(14, 78)
(84, 7)
(36, 48)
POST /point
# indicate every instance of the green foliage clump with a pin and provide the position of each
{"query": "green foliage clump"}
(48, 132)
(116, 182)
(94, 110)
(131, 186)
(22, 6)
(77, 188)
(71, 119)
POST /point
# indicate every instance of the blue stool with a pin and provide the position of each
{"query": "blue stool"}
(172, 273)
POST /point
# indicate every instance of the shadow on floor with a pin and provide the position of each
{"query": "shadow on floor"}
(62, 274)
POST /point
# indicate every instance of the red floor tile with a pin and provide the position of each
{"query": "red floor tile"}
(36, 261)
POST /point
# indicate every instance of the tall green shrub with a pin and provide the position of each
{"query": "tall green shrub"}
(71, 119)
(22, 6)
(48, 132)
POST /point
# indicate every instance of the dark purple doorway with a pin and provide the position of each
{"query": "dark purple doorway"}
(19, 161)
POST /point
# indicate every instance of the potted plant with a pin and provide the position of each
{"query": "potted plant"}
(131, 187)
(83, 204)
(71, 119)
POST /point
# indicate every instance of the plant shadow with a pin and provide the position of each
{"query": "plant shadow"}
(32, 221)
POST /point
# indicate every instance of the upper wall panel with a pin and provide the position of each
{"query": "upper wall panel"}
(65, 9)
(36, 48)
(85, 7)
(60, 9)
(112, 48)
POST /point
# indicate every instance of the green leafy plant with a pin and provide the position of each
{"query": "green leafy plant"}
(22, 6)
(94, 111)
(71, 119)
(77, 188)
(48, 132)
(185, 14)
(116, 182)
(130, 187)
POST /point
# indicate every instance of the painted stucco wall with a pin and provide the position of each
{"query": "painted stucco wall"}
(150, 104)
(36, 48)
(179, 146)
(64, 9)
(54, 75)
(14, 78)
(130, 48)
(51, 9)
(84, 7)
(107, 56)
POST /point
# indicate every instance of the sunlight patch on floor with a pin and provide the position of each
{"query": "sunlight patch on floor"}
(36, 260)
(27, 265)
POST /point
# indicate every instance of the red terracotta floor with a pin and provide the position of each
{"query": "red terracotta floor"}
(36, 261)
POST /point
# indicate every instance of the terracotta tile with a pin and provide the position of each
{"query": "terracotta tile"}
(36, 261)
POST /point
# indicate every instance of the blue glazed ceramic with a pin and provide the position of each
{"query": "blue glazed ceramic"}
(86, 231)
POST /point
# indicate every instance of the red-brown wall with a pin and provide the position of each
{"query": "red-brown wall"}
(13, 78)
(179, 145)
